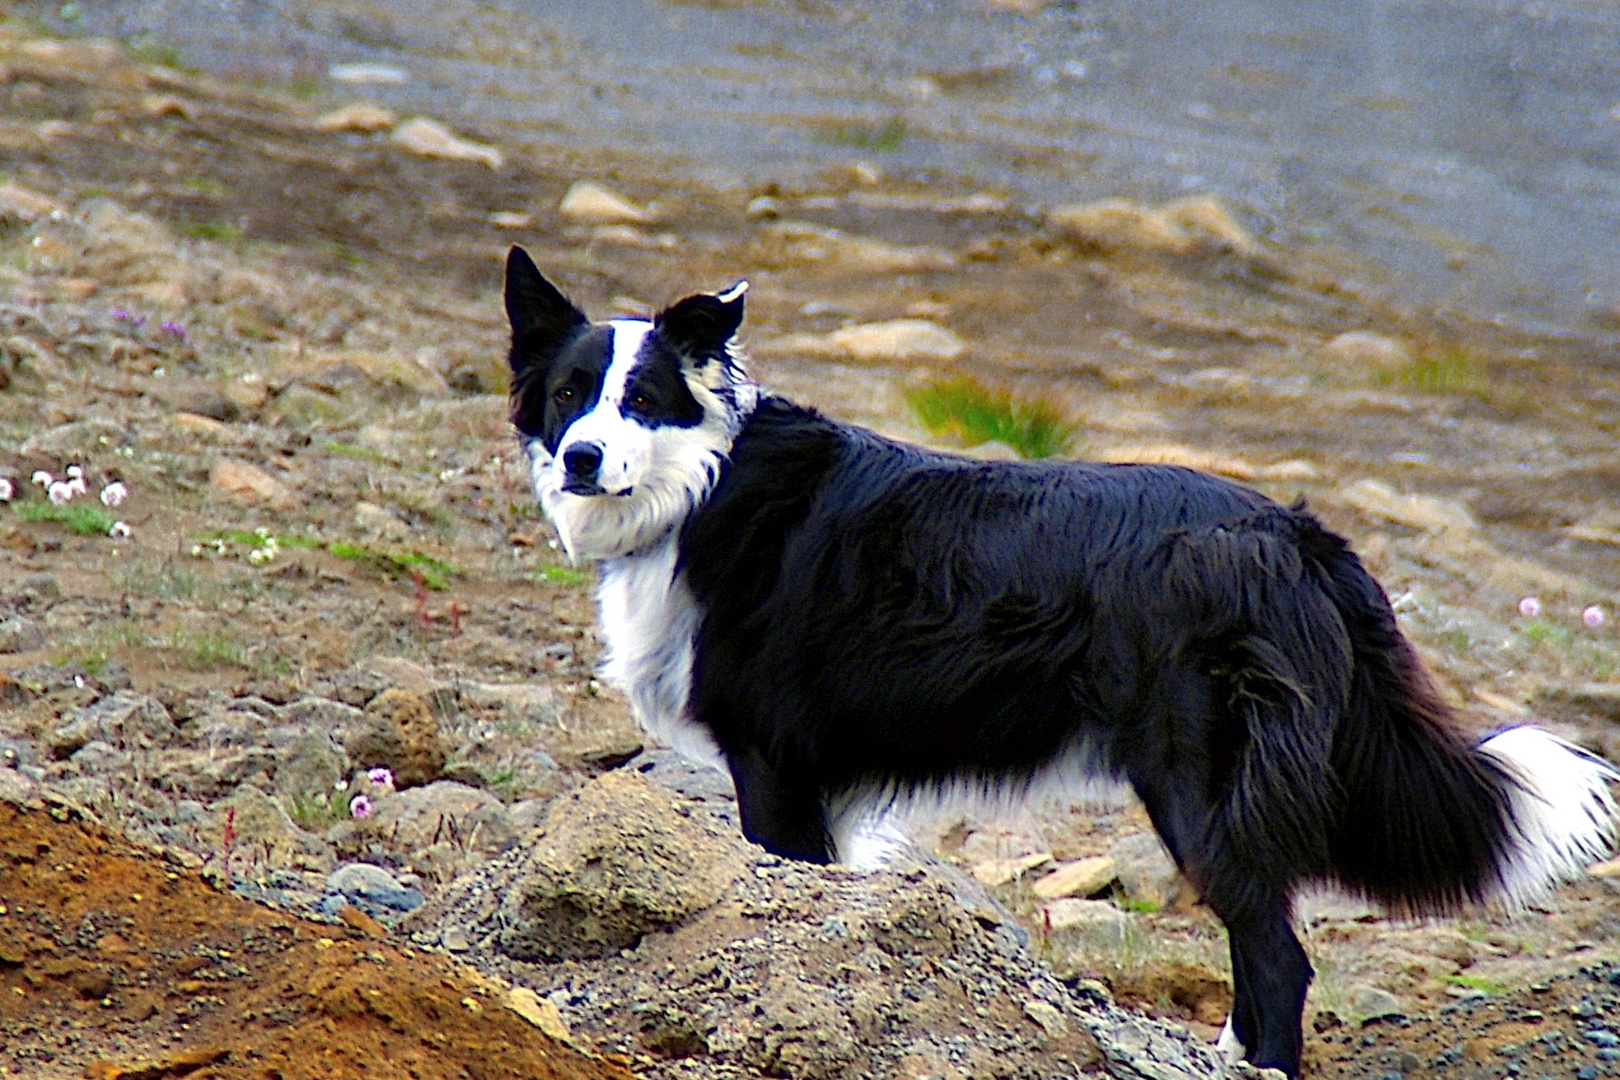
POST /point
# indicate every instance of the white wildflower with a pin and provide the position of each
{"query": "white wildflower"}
(7, 489)
(41, 477)
(61, 492)
(120, 530)
(114, 493)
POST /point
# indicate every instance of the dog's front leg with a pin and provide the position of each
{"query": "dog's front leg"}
(782, 814)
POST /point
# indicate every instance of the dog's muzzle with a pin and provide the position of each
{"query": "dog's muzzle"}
(582, 469)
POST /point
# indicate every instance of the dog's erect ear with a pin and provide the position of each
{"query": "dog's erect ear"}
(542, 318)
(701, 325)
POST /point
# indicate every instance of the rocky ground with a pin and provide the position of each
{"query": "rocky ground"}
(275, 322)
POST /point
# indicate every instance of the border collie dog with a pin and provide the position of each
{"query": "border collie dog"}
(844, 622)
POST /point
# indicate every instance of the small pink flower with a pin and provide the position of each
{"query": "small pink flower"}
(114, 493)
(8, 490)
(172, 327)
(360, 807)
(1529, 607)
(1593, 617)
(381, 777)
(120, 530)
(41, 477)
(61, 492)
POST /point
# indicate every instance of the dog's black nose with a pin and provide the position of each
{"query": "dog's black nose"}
(583, 461)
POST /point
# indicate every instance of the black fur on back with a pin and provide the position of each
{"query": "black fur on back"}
(880, 614)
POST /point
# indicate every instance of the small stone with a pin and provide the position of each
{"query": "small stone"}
(898, 340)
(364, 881)
(360, 116)
(763, 208)
(1145, 870)
(1294, 469)
(1048, 1017)
(593, 204)
(400, 732)
(805, 243)
(1371, 1003)
(202, 427)
(18, 203)
(429, 138)
(1080, 878)
(1367, 351)
(1427, 512)
(994, 872)
(1071, 914)
(541, 1012)
(1186, 457)
(1118, 224)
(368, 74)
(511, 219)
(250, 484)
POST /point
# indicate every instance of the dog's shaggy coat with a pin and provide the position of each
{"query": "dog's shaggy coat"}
(843, 621)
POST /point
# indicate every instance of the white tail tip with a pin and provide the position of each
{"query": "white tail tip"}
(1564, 815)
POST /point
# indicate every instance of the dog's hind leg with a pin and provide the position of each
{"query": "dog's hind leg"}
(1172, 762)
(1270, 972)
(782, 814)
(1270, 975)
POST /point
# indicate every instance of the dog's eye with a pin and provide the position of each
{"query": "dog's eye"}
(563, 395)
(640, 402)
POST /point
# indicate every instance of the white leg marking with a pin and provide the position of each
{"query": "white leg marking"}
(1228, 1046)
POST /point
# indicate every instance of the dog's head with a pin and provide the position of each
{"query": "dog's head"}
(626, 423)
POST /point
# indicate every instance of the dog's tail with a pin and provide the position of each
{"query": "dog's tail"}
(1431, 820)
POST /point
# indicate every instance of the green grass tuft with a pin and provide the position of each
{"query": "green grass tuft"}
(568, 576)
(1139, 907)
(360, 453)
(1476, 982)
(880, 137)
(977, 414)
(223, 231)
(435, 573)
(1546, 632)
(146, 49)
(208, 651)
(80, 518)
(1449, 370)
(317, 812)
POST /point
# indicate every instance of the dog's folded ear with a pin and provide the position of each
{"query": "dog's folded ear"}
(542, 318)
(701, 325)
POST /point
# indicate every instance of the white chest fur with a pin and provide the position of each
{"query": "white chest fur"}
(650, 620)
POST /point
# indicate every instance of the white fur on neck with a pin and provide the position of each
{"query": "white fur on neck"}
(650, 619)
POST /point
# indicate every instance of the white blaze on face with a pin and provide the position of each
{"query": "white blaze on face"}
(625, 444)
